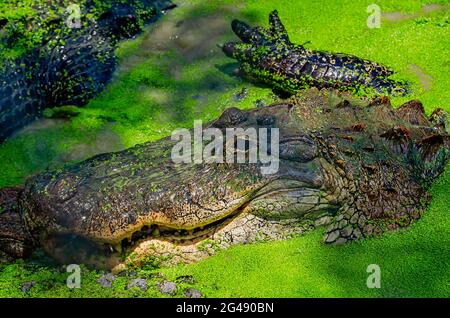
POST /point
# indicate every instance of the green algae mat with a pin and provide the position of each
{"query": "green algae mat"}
(173, 73)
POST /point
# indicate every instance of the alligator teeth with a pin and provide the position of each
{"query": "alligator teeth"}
(167, 233)
(117, 248)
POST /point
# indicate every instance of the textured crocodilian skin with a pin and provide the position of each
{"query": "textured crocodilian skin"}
(73, 64)
(267, 55)
(359, 167)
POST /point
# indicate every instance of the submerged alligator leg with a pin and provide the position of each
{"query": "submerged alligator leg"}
(268, 55)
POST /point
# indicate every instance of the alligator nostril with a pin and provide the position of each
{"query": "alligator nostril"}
(229, 49)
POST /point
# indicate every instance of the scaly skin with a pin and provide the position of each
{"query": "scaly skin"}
(72, 65)
(268, 55)
(360, 167)
(69, 73)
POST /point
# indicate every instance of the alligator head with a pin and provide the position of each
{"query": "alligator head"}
(360, 167)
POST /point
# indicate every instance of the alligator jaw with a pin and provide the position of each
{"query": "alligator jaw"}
(240, 228)
(164, 245)
(243, 225)
(71, 248)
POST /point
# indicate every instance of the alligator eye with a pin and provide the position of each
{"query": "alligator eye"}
(298, 150)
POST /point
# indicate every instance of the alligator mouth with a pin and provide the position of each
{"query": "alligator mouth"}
(174, 235)
(71, 248)
(159, 239)
(185, 236)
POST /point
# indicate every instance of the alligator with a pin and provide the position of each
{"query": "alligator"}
(267, 55)
(357, 167)
(72, 64)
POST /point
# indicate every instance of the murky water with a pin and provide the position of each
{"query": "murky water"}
(190, 38)
(193, 38)
(426, 81)
(104, 141)
(397, 16)
(40, 124)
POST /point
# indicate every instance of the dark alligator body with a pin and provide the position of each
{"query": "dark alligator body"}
(73, 64)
